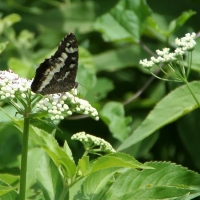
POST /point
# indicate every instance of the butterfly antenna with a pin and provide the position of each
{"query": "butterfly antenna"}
(88, 90)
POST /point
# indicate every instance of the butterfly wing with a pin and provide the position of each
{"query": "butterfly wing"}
(58, 73)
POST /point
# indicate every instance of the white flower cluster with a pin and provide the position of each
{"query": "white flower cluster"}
(186, 43)
(57, 106)
(11, 83)
(92, 141)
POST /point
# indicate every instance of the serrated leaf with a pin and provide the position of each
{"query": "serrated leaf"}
(173, 106)
(49, 178)
(50, 145)
(116, 160)
(113, 115)
(127, 19)
(57, 154)
(96, 184)
(165, 181)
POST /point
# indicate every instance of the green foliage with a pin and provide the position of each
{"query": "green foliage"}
(181, 102)
(146, 118)
(113, 115)
(127, 19)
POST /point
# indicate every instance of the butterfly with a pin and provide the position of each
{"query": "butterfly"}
(57, 74)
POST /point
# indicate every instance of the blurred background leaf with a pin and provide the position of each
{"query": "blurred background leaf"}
(113, 36)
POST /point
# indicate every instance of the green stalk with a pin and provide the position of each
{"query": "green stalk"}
(192, 94)
(22, 190)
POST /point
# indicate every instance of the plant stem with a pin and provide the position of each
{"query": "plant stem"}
(192, 94)
(22, 190)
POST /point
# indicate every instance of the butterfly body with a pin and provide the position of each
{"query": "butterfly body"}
(58, 73)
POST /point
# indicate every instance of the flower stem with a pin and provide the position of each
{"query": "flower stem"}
(192, 93)
(22, 191)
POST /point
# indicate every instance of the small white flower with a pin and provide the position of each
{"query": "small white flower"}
(44, 107)
(92, 142)
(78, 109)
(54, 107)
(187, 43)
(69, 112)
(155, 60)
(7, 95)
(50, 111)
(160, 59)
(147, 64)
(163, 52)
(59, 105)
(54, 112)
(61, 109)
(64, 97)
(178, 42)
(23, 95)
(179, 52)
(169, 57)
(61, 117)
(54, 103)
(97, 118)
(86, 112)
(65, 106)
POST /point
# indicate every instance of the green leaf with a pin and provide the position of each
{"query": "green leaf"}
(21, 68)
(9, 196)
(158, 25)
(3, 46)
(180, 21)
(68, 150)
(127, 18)
(102, 87)
(96, 184)
(190, 139)
(82, 21)
(9, 178)
(117, 59)
(7, 112)
(5, 189)
(84, 164)
(104, 6)
(165, 181)
(117, 160)
(57, 154)
(195, 57)
(176, 104)
(11, 19)
(113, 115)
(49, 179)
(86, 73)
(34, 156)
(26, 39)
